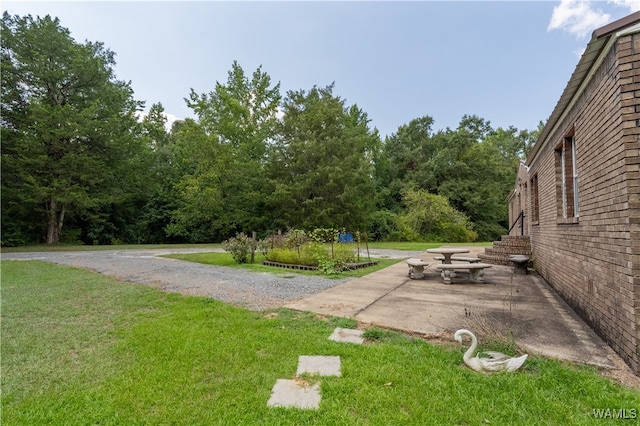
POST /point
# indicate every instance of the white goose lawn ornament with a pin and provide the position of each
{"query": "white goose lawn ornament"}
(497, 361)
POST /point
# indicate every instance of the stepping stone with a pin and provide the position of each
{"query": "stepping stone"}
(295, 394)
(298, 393)
(347, 335)
(321, 365)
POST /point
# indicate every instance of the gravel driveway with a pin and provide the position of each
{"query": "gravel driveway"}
(252, 290)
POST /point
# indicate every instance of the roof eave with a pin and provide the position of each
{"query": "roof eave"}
(594, 54)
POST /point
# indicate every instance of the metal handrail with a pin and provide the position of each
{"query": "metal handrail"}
(521, 219)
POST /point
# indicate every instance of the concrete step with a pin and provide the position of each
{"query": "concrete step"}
(511, 244)
(506, 251)
(494, 260)
(507, 245)
(513, 238)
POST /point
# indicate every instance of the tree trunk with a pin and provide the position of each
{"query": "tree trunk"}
(55, 221)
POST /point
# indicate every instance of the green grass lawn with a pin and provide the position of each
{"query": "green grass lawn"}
(82, 348)
(225, 259)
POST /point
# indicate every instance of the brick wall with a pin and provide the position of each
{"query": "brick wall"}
(593, 260)
(518, 202)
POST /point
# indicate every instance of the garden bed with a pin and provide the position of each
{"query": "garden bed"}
(350, 266)
(289, 266)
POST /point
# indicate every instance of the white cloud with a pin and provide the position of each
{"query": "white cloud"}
(632, 5)
(279, 113)
(170, 120)
(578, 17)
(167, 125)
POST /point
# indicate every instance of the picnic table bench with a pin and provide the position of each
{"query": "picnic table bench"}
(520, 263)
(458, 259)
(416, 268)
(476, 270)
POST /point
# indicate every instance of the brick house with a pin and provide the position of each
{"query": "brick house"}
(579, 190)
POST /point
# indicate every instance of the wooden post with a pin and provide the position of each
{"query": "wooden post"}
(366, 241)
(253, 246)
(333, 238)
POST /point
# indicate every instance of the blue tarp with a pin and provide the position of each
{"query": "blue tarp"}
(345, 238)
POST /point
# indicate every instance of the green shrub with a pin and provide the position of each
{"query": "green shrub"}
(15, 238)
(239, 247)
(295, 239)
(383, 226)
(345, 252)
(331, 266)
(263, 246)
(318, 248)
(405, 232)
(291, 257)
(282, 255)
(430, 217)
(308, 254)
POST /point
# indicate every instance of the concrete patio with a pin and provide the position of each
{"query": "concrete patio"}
(505, 304)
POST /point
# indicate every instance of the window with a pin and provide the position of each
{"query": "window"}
(525, 192)
(535, 208)
(567, 178)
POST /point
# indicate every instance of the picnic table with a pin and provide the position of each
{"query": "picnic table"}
(447, 252)
(448, 269)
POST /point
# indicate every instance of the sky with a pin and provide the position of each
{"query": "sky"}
(504, 61)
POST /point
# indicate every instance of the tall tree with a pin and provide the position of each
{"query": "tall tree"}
(67, 123)
(155, 205)
(154, 127)
(401, 165)
(473, 166)
(322, 165)
(225, 191)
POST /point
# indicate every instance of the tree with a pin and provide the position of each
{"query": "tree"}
(472, 174)
(153, 127)
(480, 189)
(473, 166)
(402, 155)
(224, 191)
(155, 206)
(430, 217)
(67, 125)
(322, 164)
